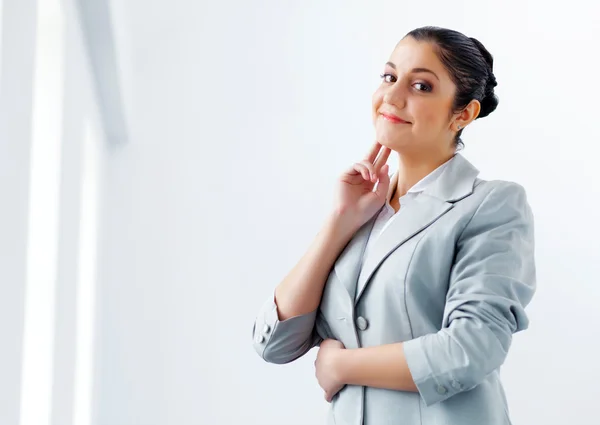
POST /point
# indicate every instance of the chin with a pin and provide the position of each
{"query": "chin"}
(394, 142)
(392, 137)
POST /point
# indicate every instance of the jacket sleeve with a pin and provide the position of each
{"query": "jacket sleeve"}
(283, 341)
(492, 280)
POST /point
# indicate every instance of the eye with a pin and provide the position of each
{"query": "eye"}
(423, 87)
(388, 78)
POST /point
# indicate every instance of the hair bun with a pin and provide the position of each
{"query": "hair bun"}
(490, 101)
(492, 80)
(490, 84)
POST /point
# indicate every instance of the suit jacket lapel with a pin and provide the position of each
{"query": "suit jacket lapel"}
(456, 182)
(347, 265)
(410, 221)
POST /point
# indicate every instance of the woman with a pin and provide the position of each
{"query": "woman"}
(415, 284)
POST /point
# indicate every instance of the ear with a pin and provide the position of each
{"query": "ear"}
(467, 115)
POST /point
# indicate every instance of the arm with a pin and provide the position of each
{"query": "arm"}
(492, 281)
(300, 292)
(285, 327)
(283, 330)
(383, 366)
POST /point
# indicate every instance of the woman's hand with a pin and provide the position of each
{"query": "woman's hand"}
(327, 368)
(356, 199)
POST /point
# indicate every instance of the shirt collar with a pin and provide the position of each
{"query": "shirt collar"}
(422, 184)
(458, 181)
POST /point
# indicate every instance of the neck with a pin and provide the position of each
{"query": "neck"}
(414, 167)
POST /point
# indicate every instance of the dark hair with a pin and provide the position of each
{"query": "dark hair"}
(469, 64)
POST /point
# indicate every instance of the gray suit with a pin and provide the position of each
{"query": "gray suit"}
(450, 278)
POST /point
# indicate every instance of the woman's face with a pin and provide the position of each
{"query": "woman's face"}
(412, 106)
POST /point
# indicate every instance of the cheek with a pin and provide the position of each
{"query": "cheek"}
(376, 101)
(429, 115)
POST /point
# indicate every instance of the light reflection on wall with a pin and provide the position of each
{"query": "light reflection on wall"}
(42, 239)
(86, 282)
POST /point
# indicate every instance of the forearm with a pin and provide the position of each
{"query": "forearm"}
(301, 290)
(382, 366)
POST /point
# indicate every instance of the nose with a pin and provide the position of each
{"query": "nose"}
(395, 95)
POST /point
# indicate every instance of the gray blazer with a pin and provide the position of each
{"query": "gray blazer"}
(450, 278)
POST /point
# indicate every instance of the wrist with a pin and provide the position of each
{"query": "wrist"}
(342, 365)
(341, 226)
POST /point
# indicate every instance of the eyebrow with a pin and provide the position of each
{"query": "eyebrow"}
(415, 70)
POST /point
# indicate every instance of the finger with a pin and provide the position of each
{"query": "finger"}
(372, 173)
(384, 182)
(363, 170)
(373, 152)
(328, 397)
(382, 159)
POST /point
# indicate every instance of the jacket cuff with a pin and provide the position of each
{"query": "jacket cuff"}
(265, 323)
(433, 387)
(282, 341)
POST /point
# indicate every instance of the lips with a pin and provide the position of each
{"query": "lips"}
(393, 118)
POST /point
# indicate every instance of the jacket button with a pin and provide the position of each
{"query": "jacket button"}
(441, 390)
(266, 329)
(456, 385)
(260, 339)
(362, 323)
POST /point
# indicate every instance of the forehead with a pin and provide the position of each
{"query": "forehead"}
(410, 53)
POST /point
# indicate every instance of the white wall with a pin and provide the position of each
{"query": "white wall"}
(84, 151)
(51, 153)
(18, 35)
(243, 115)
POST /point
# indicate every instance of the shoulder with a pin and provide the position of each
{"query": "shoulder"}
(504, 187)
(500, 201)
(500, 191)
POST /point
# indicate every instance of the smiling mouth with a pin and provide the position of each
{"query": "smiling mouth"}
(393, 119)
